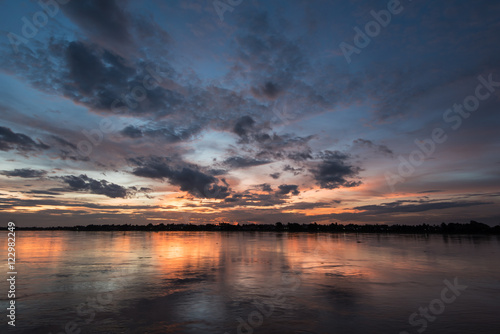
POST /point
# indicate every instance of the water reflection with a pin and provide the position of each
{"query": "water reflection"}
(218, 282)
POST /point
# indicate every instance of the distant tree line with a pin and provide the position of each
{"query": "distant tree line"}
(451, 228)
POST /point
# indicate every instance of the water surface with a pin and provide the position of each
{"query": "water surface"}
(252, 282)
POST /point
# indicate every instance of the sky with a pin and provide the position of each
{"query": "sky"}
(249, 111)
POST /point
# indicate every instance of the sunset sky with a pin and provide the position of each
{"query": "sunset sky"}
(249, 111)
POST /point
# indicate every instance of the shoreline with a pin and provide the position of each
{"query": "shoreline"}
(472, 228)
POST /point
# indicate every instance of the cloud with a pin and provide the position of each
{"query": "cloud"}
(248, 199)
(269, 91)
(63, 142)
(174, 133)
(106, 81)
(86, 69)
(275, 175)
(169, 133)
(296, 171)
(271, 146)
(93, 73)
(14, 202)
(67, 150)
(101, 19)
(43, 192)
(286, 189)
(281, 147)
(266, 187)
(430, 191)
(272, 60)
(243, 162)
(10, 140)
(188, 177)
(369, 144)
(99, 187)
(312, 205)
(24, 172)
(415, 206)
(99, 78)
(243, 126)
(132, 132)
(334, 171)
(109, 24)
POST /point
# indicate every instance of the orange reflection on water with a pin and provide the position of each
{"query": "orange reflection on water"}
(243, 258)
(180, 251)
(31, 246)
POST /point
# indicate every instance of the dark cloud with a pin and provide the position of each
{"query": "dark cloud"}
(430, 191)
(13, 202)
(278, 69)
(105, 81)
(243, 126)
(10, 140)
(266, 187)
(67, 150)
(312, 205)
(286, 189)
(231, 200)
(43, 192)
(268, 53)
(109, 24)
(369, 144)
(300, 156)
(415, 206)
(285, 146)
(188, 177)
(271, 146)
(91, 73)
(63, 142)
(275, 175)
(101, 19)
(85, 68)
(99, 187)
(216, 172)
(24, 172)
(269, 91)
(243, 162)
(295, 170)
(99, 78)
(174, 133)
(248, 199)
(334, 171)
(169, 133)
(132, 132)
